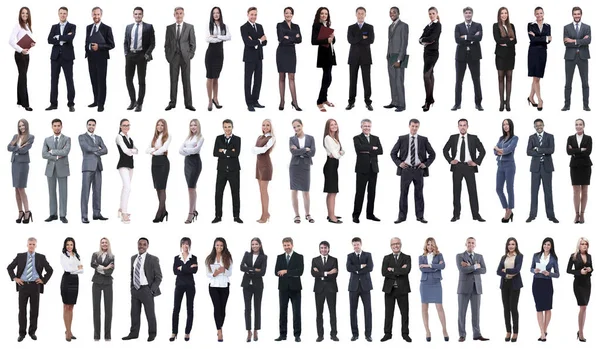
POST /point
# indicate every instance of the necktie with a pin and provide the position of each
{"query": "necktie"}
(540, 144)
(368, 138)
(412, 151)
(227, 140)
(396, 258)
(94, 139)
(178, 31)
(394, 25)
(324, 260)
(62, 28)
(287, 259)
(471, 255)
(93, 30)
(136, 274)
(55, 142)
(577, 28)
(462, 150)
(468, 27)
(358, 256)
(360, 25)
(29, 268)
(254, 26)
(135, 38)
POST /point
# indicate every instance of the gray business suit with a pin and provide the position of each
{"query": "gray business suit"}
(397, 42)
(577, 54)
(179, 52)
(20, 161)
(301, 162)
(91, 168)
(541, 169)
(145, 295)
(57, 170)
(469, 290)
(102, 283)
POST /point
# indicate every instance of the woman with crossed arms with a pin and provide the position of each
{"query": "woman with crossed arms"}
(580, 266)
(254, 266)
(185, 265)
(103, 263)
(19, 146)
(431, 264)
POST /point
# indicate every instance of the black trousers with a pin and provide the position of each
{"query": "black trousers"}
(461, 68)
(97, 290)
(325, 83)
(29, 292)
(365, 296)
(510, 302)
(320, 299)
(144, 297)
(411, 175)
(462, 170)
(233, 177)
(366, 79)
(67, 67)
(135, 61)
(190, 293)
(97, 67)
(252, 291)
(390, 299)
(219, 296)
(22, 66)
(284, 298)
(364, 181)
(252, 91)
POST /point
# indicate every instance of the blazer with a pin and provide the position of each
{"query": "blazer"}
(249, 269)
(291, 280)
(366, 157)
(99, 278)
(517, 281)
(64, 51)
(187, 41)
(509, 49)
(359, 276)
(185, 276)
(574, 267)
(152, 271)
(431, 34)
(397, 40)
(92, 153)
(581, 46)
(290, 31)
(301, 157)
(469, 276)
(399, 275)
(41, 264)
(324, 283)
(551, 267)
(539, 39)
(508, 147)
(103, 49)
(228, 160)
(253, 48)
(579, 158)
(57, 167)
(325, 52)
(21, 154)
(471, 43)
(435, 271)
(148, 39)
(474, 145)
(546, 150)
(360, 48)
(425, 153)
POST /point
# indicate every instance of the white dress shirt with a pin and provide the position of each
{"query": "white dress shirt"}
(407, 160)
(17, 34)
(579, 139)
(140, 29)
(191, 146)
(221, 280)
(544, 261)
(100, 268)
(302, 142)
(333, 148)
(123, 146)
(430, 258)
(61, 26)
(161, 148)
(266, 147)
(143, 280)
(217, 34)
(458, 146)
(70, 264)
(254, 258)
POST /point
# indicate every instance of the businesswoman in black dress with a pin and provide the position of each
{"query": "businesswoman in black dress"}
(333, 148)
(580, 265)
(185, 265)
(302, 147)
(506, 39)
(218, 269)
(213, 60)
(22, 55)
(125, 166)
(288, 34)
(544, 267)
(325, 54)
(160, 166)
(579, 147)
(509, 270)
(254, 266)
(193, 165)
(540, 35)
(430, 41)
(19, 147)
(103, 263)
(69, 285)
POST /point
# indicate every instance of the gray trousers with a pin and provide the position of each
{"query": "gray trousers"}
(91, 179)
(97, 290)
(582, 65)
(396, 76)
(463, 303)
(62, 188)
(546, 179)
(140, 297)
(177, 64)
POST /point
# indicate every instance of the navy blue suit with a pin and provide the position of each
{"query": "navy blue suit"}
(98, 60)
(360, 286)
(62, 56)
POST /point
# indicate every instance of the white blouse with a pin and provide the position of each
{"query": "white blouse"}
(544, 261)
(17, 34)
(579, 138)
(191, 146)
(266, 147)
(302, 142)
(217, 31)
(70, 264)
(333, 148)
(123, 146)
(429, 258)
(161, 148)
(221, 280)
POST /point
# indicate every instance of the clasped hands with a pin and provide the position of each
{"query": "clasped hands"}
(219, 271)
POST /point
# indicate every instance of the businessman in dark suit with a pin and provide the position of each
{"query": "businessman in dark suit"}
(92, 147)
(360, 36)
(227, 149)
(61, 38)
(97, 55)
(577, 37)
(360, 265)
(325, 271)
(413, 155)
(145, 281)
(468, 54)
(138, 45)
(180, 48)
(541, 147)
(289, 268)
(368, 148)
(254, 39)
(464, 152)
(396, 286)
(29, 280)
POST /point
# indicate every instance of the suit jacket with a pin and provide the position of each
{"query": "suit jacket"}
(474, 145)
(399, 275)
(581, 46)
(185, 275)
(229, 160)
(366, 157)
(425, 153)
(22, 154)
(551, 267)
(579, 158)
(324, 283)
(249, 269)
(431, 35)
(435, 271)
(54, 166)
(539, 39)
(359, 276)
(99, 278)
(325, 52)
(253, 48)
(187, 41)
(301, 157)
(509, 49)
(64, 51)
(360, 48)
(574, 267)
(148, 40)
(103, 49)
(290, 281)
(397, 40)
(516, 271)
(152, 271)
(546, 150)
(290, 31)
(41, 265)
(469, 276)
(92, 152)
(471, 42)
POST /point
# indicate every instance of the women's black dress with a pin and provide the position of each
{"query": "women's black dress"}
(582, 284)
(580, 164)
(538, 49)
(286, 51)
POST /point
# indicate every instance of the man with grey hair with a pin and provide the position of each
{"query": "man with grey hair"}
(98, 41)
(396, 286)
(180, 48)
(367, 147)
(397, 59)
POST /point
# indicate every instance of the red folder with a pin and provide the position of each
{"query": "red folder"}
(25, 42)
(324, 34)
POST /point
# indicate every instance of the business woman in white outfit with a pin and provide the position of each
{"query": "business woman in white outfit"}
(193, 165)
(218, 269)
(125, 166)
(22, 55)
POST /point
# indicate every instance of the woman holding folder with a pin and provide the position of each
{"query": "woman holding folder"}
(20, 40)
(322, 35)
(544, 267)
(218, 270)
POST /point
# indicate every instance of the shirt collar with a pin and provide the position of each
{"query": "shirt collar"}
(540, 134)
(185, 260)
(31, 254)
(224, 135)
(467, 23)
(54, 136)
(143, 255)
(575, 23)
(91, 134)
(435, 21)
(122, 134)
(97, 25)
(466, 134)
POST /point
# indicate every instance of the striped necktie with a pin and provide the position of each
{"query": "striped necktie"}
(29, 269)
(412, 151)
(136, 274)
(540, 144)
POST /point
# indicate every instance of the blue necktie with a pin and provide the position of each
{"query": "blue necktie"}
(135, 37)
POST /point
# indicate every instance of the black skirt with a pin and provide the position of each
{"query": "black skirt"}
(160, 171)
(213, 60)
(69, 288)
(330, 170)
(542, 294)
(505, 63)
(581, 175)
(192, 169)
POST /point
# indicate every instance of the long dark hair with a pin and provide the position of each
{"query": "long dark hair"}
(64, 250)
(225, 255)
(552, 253)
(517, 252)
(212, 25)
(508, 32)
(318, 16)
(21, 23)
(260, 251)
(511, 126)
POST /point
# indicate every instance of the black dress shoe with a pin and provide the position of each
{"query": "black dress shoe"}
(389, 106)
(369, 339)
(422, 220)
(399, 220)
(298, 340)
(190, 107)
(335, 338)
(353, 339)
(138, 107)
(386, 338)
(406, 338)
(100, 108)
(93, 105)
(129, 337)
(586, 108)
(280, 338)
(131, 106)
(461, 339)
(320, 339)
(258, 105)
(355, 220)
(238, 220)
(85, 220)
(553, 220)
(373, 218)
(151, 338)
(28, 108)
(481, 338)
(251, 108)
(399, 109)
(454, 219)
(51, 218)
(52, 107)
(350, 106)
(64, 219)
(33, 336)
(369, 107)
(479, 219)
(20, 338)
(169, 107)
(71, 109)
(99, 218)
(216, 220)
(479, 107)
(73, 337)
(529, 219)
(565, 108)
(455, 107)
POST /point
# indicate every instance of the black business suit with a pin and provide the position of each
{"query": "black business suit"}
(252, 286)
(580, 164)
(431, 53)
(228, 170)
(290, 288)
(253, 56)
(360, 285)
(62, 56)
(325, 60)
(286, 51)
(102, 282)
(366, 168)
(396, 287)
(538, 49)
(325, 289)
(184, 284)
(505, 55)
(98, 61)
(360, 57)
(137, 58)
(468, 54)
(582, 284)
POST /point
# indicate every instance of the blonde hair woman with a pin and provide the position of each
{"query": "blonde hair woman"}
(103, 263)
(160, 166)
(193, 164)
(431, 264)
(19, 147)
(264, 168)
(580, 266)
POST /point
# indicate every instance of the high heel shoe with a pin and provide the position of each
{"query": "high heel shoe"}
(219, 336)
(531, 102)
(428, 336)
(27, 217)
(187, 337)
(255, 335)
(164, 216)
(576, 221)
(507, 105)
(502, 103)
(427, 106)
(295, 106)
(581, 219)
(21, 215)
(249, 338)
(125, 218)
(580, 339)
(507, 338)
(541, 105)
(281, 106)
(216, 104)
(514, 339)
(191, 217)
(173, 338)
(264, 220)
(510, 218)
